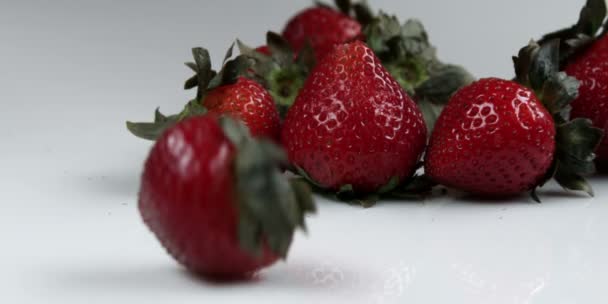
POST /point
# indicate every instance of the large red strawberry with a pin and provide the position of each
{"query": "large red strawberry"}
(498, 138)
(224, 93)
(352, 127)
(494, 137)
(216, 200)
(323, 27)
(586, 59)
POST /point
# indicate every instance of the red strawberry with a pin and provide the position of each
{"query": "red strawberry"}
(248, 101)
(352, 126)
(224, 93)
(586, 59)
(497, 138)
(323, 27)
(592, 71)
(216, 201)
(493, 138)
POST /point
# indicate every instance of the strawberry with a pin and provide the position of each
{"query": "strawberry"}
(248, 101)
(497, 138)
(592, 70)
(216, 201)
(323, 27)
(352, 128)
(223, 93)
(493, 138)
(586, 59)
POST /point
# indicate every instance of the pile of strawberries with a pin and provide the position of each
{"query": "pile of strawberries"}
(358, 105)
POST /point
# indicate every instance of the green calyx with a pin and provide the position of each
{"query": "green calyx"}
(283, 72)
(416, 187)
(584, 33)
(270, 207)
(358, 10)
(408, 55)
(205, 80)
(538, 68)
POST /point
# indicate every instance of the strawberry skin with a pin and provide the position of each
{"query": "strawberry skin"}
(591, 69)
(263, 50)
(188, 200)
(352, 124)
(494, 138)
(323, 27)
(249, 102)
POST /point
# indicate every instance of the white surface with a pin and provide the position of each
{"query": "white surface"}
(71, 72)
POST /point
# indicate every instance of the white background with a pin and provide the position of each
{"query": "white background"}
(71, 73)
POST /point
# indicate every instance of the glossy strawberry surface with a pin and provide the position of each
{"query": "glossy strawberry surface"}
(323, 27)
(249, 102)
(591, 69)
(352, 124)
(494, 138)
(188, 200)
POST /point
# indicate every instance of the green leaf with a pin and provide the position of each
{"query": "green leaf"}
(545, 63)
(390, 186)
(279, 48)
(344, 6)
(153, 130)
(446, 81)
(574, 158)
(558, 92)
(578, 37)
(270, 207)
(363, 13)
(232, 70)
(228, 54)
(192, 66)
(204, 73)
(573, 182)
(417, 187)
(430, 112)
(523, 62)
(148, 131)
(191, 83)
(159, 117)
(576, 141)
(592, 16)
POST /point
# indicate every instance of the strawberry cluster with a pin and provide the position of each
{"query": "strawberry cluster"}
(358, 105)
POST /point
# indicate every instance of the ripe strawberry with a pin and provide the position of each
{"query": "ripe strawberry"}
(249, 102)
(493, 138)
(223, 93)
(216, 200)
(592, 70)
(586, 59)
(497, 138)
(322, 27)
(352, 127)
